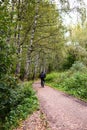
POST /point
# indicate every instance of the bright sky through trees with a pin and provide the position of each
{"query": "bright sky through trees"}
(71, 17)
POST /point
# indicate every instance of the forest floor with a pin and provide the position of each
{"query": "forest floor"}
(58, 111)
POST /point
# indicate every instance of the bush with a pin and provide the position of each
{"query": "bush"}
(70, 59)
(57, 77)
(22, 102)
(73, 83)
(76, 85)
(78, 66)
(51, 77)
(7, 86)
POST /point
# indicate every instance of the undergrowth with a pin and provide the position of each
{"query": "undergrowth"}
(72, 82)
(25, 102)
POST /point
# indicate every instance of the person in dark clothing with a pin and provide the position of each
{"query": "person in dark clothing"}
(42, 77)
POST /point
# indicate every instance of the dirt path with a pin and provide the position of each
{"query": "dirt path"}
(37, 121)
(63, 112)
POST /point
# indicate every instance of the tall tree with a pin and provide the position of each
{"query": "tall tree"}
(28, 60)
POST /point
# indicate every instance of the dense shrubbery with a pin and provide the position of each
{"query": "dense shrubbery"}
(17, 104)
(74, 81)
(76, 85)
(70, 59)
(8, 85)
(50, 77)
(78, 66)
(16, 100)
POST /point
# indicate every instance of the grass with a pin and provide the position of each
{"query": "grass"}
(71, 83)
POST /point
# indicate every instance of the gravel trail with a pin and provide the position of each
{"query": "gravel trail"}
(63, 112)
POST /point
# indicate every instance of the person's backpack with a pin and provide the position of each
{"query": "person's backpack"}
(42, 75)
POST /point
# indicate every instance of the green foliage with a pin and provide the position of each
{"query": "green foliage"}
(74, 83)
(6, 50)
(22, 102)
(50, 77)
(71, 58)
(7, 85)
(57, 77)
(78, 66)
(21, 23)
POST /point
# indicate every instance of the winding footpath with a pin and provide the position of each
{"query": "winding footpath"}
(63, 112)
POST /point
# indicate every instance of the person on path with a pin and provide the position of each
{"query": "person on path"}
(42, 77)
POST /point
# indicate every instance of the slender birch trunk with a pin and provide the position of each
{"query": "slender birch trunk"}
(19, 48)
(19, 51)
(11, 20)
(36, 64)
(30, 47)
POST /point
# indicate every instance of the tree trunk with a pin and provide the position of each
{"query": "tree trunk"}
(19, 48)
(30, 47)
(36, 64)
